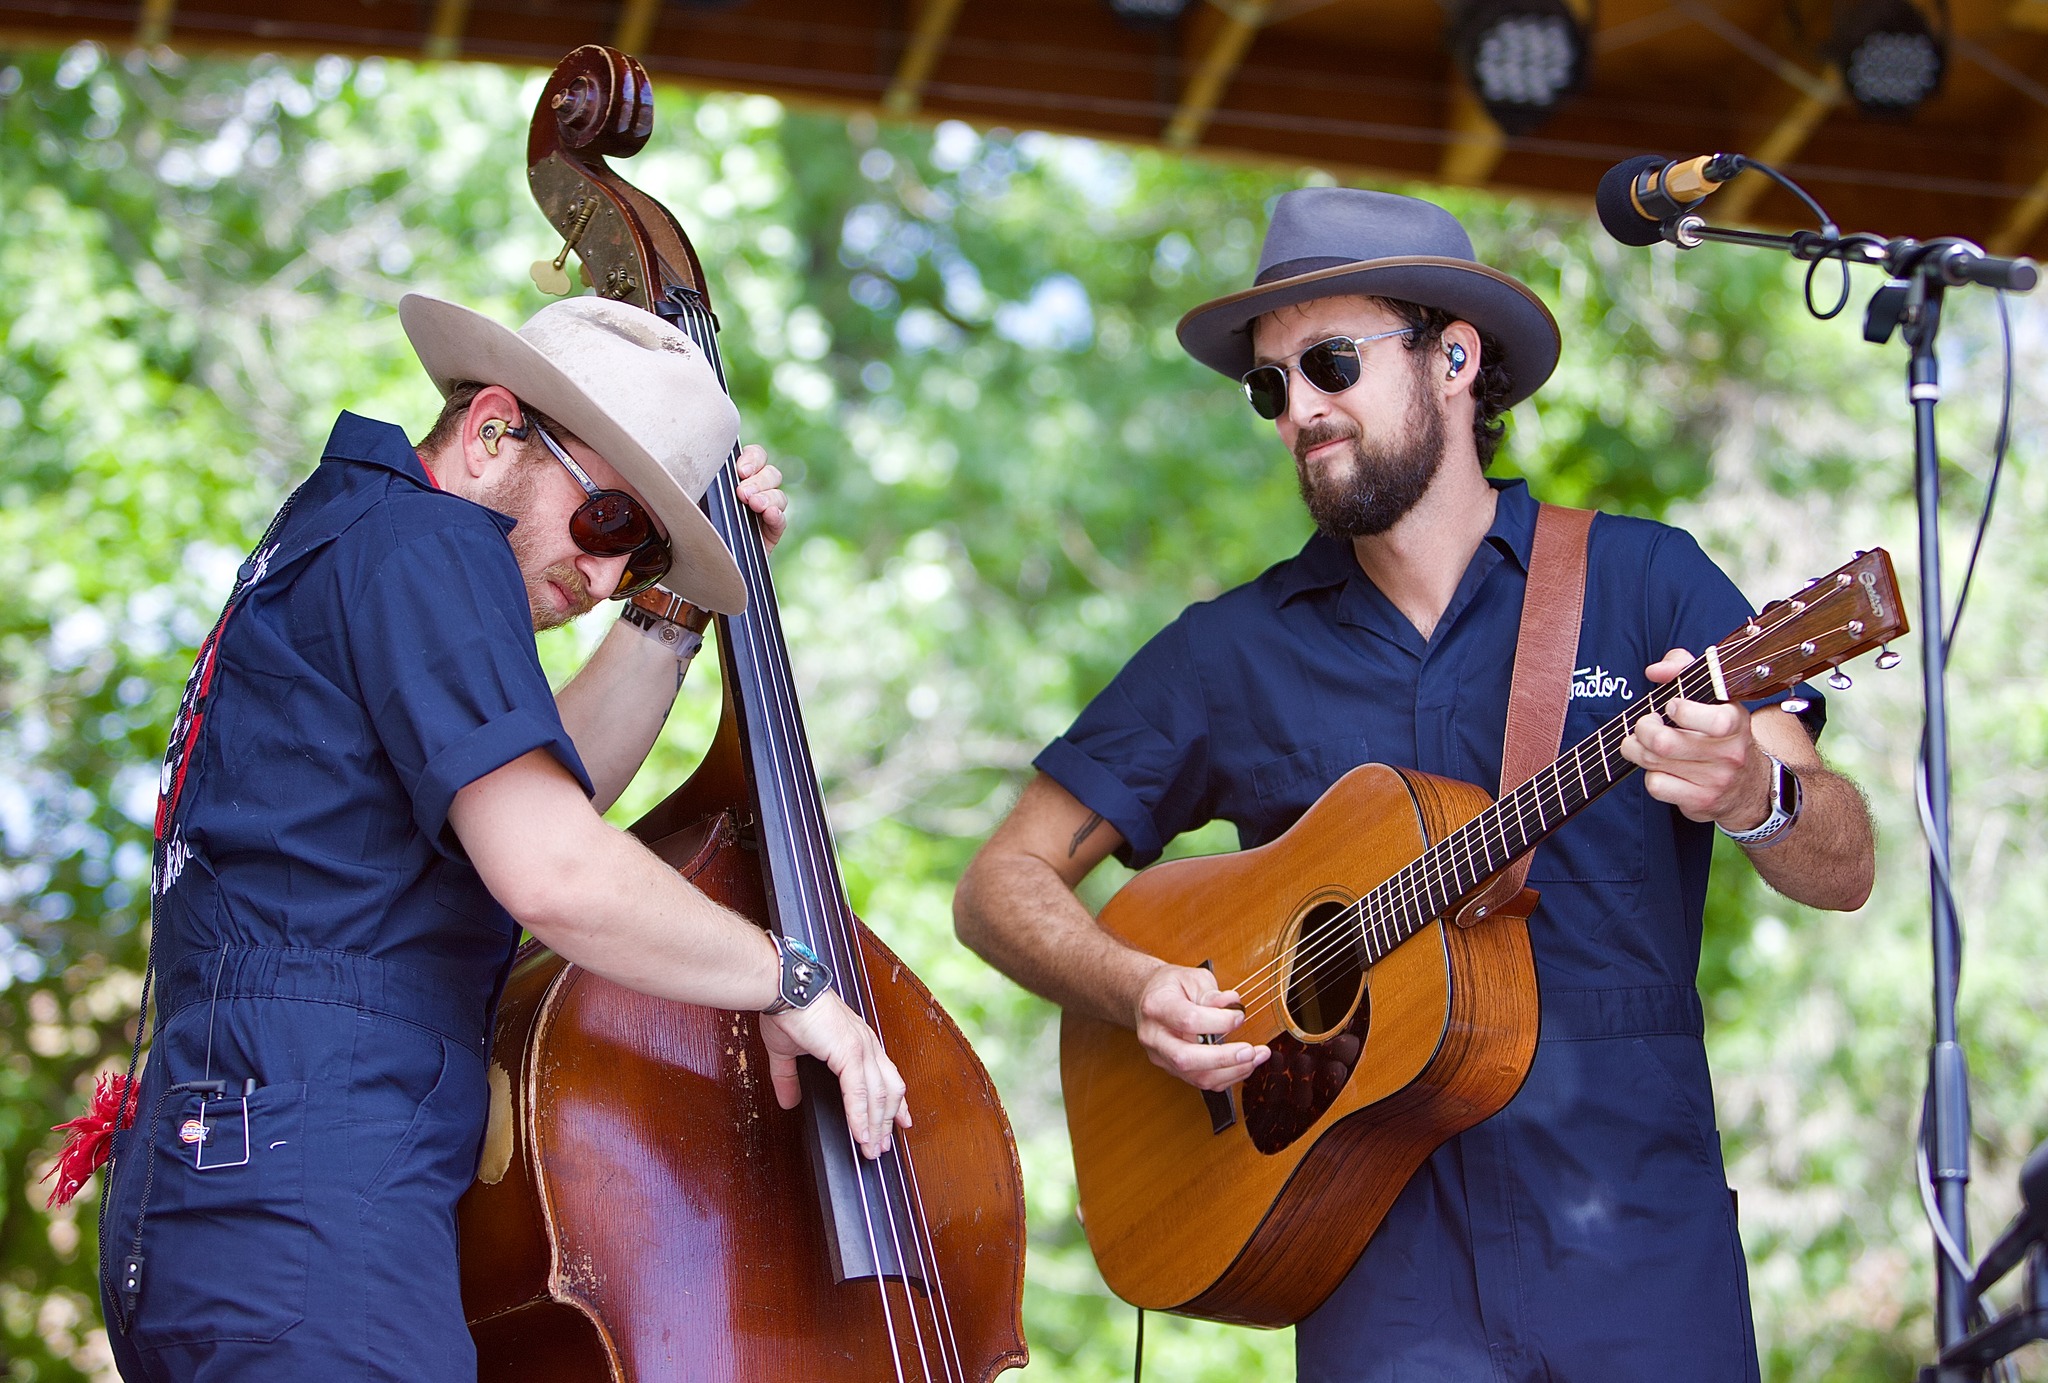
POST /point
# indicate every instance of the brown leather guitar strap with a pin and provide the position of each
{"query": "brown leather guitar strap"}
(1545, 650)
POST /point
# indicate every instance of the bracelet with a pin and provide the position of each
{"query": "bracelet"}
(669, 620)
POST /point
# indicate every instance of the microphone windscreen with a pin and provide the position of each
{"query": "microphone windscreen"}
(1618, 209)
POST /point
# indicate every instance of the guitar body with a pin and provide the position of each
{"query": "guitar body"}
(1257, 1222)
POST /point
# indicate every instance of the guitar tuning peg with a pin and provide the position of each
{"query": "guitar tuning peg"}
(1888, 659)
(1795, 705)
(1840, 680)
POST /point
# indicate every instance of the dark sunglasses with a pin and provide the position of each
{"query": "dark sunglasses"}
(611, 523)
(1332, 366)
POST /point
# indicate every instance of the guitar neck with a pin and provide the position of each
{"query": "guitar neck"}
(1450, 870)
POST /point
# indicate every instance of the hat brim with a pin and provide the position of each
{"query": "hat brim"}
(457, 345)
(1218, 333)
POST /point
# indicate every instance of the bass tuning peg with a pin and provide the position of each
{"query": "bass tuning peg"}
(1840, 680)
(1888, 659)
(1795, 705)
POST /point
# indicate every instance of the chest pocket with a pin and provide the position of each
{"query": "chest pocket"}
(1604, 842)
(1289, 785)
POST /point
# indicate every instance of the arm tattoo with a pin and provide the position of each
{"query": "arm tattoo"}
(1087, 830)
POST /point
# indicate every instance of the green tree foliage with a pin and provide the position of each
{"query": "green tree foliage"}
(1007, 475)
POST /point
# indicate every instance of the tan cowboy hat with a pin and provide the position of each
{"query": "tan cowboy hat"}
(636, 389)
(1327, 242)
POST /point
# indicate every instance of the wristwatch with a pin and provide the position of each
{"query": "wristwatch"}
(805, 975)
(1784, 809)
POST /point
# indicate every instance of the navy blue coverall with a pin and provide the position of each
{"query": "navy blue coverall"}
(323, 944)
(1586, 1231)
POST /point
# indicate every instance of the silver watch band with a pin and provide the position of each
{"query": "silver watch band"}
(1785, 803)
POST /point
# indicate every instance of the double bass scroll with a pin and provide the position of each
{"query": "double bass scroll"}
(646, 1211)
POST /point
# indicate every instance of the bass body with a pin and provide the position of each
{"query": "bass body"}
(645, 1212)
(1187, 1216)
(645, 1209)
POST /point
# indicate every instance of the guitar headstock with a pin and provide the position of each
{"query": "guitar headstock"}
(1845, 614)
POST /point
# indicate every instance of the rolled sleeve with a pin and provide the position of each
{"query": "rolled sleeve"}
(1138, 753)
(441, 637)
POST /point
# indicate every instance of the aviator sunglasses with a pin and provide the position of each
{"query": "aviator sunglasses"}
(611, 523)
(1332, 366)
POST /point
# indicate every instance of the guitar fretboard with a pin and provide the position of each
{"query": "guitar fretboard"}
(1437, 879)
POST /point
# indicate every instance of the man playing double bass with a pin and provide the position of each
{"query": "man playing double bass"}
(370, 790)
(1585, 1231)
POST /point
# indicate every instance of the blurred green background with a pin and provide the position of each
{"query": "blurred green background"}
(1006, 474)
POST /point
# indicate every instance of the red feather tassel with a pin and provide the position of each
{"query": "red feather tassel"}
(92, 1138)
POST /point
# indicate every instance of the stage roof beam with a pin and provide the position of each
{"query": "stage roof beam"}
(153, 27)
(637, 19)
(444, 36)
(935, 20)
(1475, 143)
(1221, 32)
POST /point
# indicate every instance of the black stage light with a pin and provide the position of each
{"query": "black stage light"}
(1147, 14)
(1520, 57)
(1891, 57)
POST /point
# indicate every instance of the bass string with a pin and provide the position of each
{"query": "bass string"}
(1403, 904)
(749, 553)
(826, 895)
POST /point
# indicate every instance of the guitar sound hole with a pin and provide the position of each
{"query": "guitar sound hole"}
(1328, 972)
(1329, 1009)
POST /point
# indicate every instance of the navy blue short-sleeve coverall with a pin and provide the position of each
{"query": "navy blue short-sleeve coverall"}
(1586, 1231)
(324, 948)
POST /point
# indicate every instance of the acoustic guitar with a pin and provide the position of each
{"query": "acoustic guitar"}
(1381, 955)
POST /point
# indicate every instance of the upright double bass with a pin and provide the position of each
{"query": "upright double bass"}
(645, 1211)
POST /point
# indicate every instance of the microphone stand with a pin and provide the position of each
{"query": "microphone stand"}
(1920, 274)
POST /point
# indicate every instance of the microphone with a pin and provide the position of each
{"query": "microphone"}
(1638, 195)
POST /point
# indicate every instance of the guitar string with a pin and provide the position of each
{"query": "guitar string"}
(1417, 901)
(843, 943)
(1418, 910)
(752, 557)
(1425, 898)
(1402, 895)
(1410, 906)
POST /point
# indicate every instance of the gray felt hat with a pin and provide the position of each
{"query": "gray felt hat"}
(1329, 241)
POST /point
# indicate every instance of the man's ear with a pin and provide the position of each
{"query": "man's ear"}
(492, 414)
(1462, 356)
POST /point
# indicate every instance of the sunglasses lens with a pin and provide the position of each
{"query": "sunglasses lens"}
(609, 523)
(647, 565)
(1332, 366)
(1266, 387)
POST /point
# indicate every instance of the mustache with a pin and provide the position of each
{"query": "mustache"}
(1318, 434)
(566, 576)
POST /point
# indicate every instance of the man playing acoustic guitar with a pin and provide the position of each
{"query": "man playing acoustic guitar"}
(1585, 1231)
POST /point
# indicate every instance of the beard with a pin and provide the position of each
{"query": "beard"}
(513, 496)
(1385, 479)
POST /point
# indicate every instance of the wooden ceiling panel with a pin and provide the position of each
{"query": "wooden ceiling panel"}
(1364, 88)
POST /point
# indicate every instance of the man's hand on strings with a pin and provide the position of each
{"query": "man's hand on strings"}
(1177, 1008)
(760, 490)
(1701, 759)
(869, 1083)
